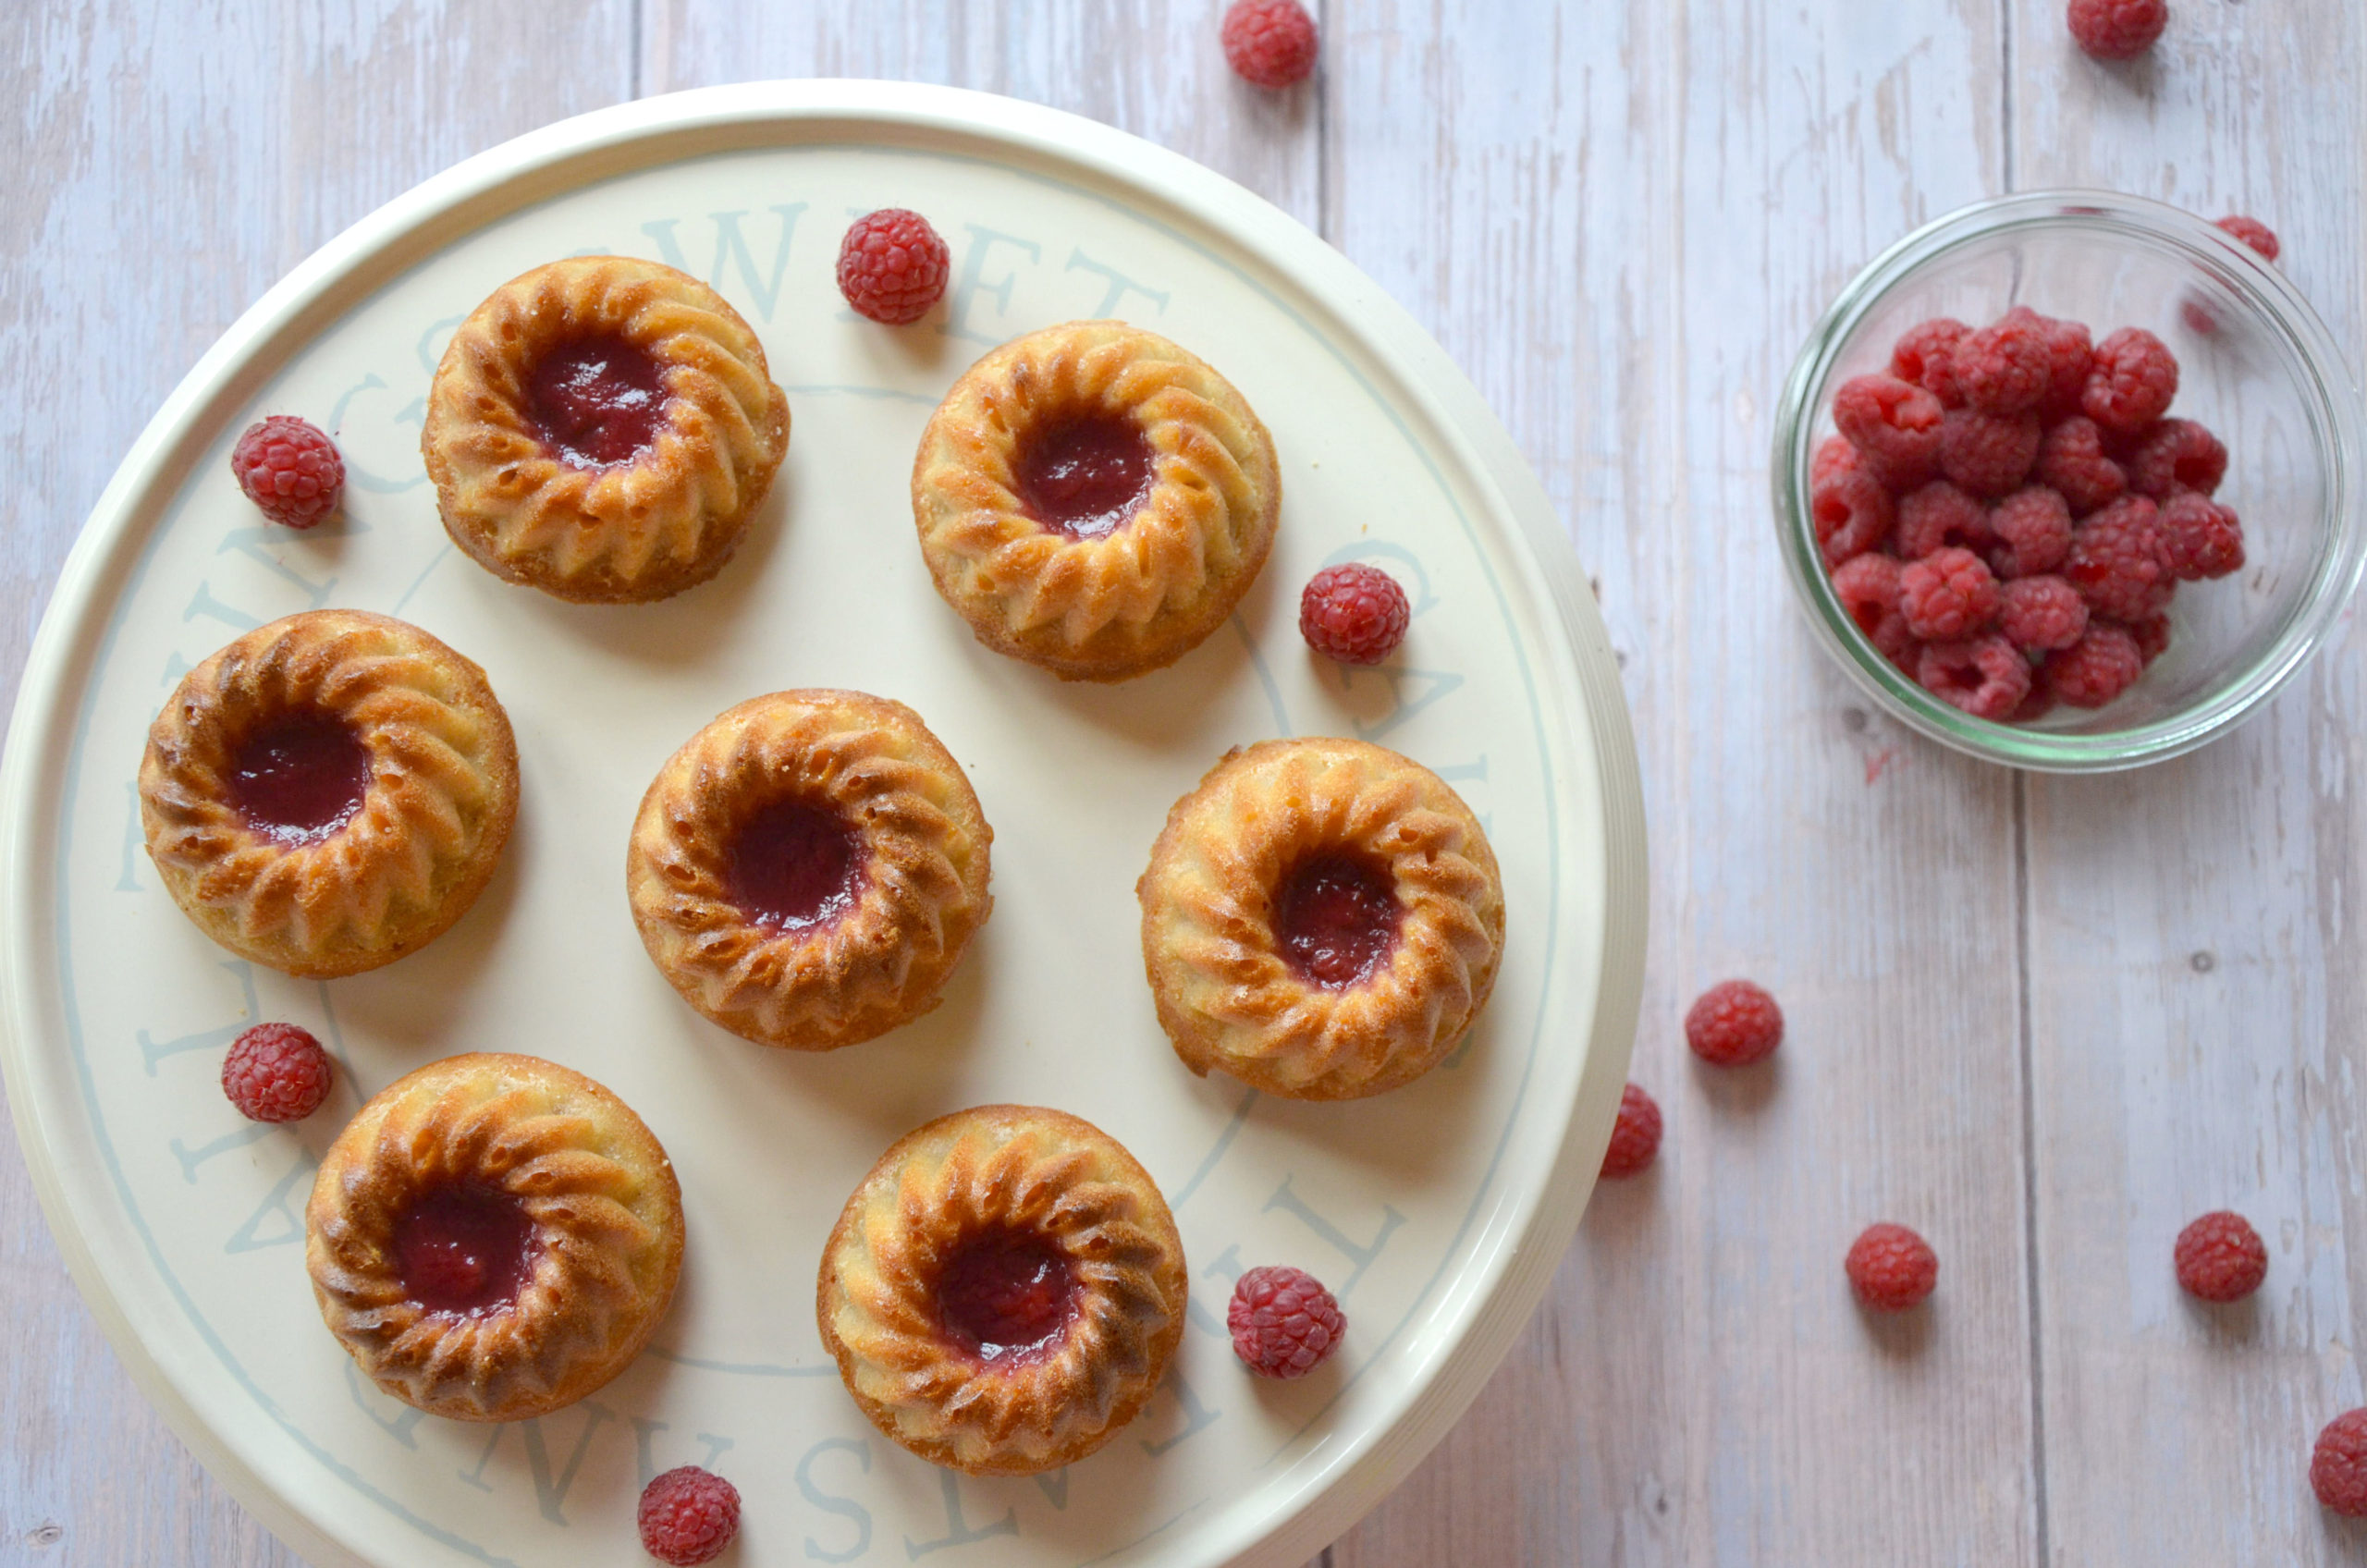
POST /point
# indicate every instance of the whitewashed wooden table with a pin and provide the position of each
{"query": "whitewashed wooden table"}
(2045, 1021)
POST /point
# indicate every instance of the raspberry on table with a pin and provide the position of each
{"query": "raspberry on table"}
(2133, 382)
(287, 467)
(2070, 355)
(2118, 30)
(688, 1515)
(1285, 1324)
(277, 1072)
(1892, 1268)
(1937, 515)
(1851, 513)
(1867, 586)
(2201, 539)
(1269, 43)
(2006, 367)
(1734, 1024)
(2174, 455)
(2119, 561)
(2032, 530)
(1948, 595)
(1833, 455)
(2042, 614)
(2338, 1465)
(893, 266)
(1636, 1138)
(1924, 355)
(2097, 668)
(1894, 425)
(1353, 613)
(2254, 233)
(2220, 1257)
(1987, 677)
(1989, 455)
(2072, 462)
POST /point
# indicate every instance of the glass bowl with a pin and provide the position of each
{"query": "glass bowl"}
(2256, 365)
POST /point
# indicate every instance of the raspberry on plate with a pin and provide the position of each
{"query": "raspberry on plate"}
(2200, 538)
(2133, 382)
(1986, 677)
(1851, 513)
(2097, 668)
(1285, 1324)
(1894, 425)
(688, 1515)
(2338, 1465)
(1635, 1138)
(1948, 595)
(2032, 529)
(2006, 367)
(2220, 1257)
(893, 266)
(289, 469)
(2042, 614)
(2254, 233)
(2072, 462)
(1353, 613)
(1892, 1268)
(1734, 1024)
(2118, 30)
(1269, 43)
(2174, 455)
(2119, 561)
(277, 1072)
(1925, 356)
(1988, 454)
(1868, 588)
(1940, 514)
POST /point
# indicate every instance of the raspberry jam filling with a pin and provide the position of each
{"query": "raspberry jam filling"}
(1005, 1295)
(1085, 477)
(1336, 919)
(596, 403)
(464, 1249)
(795, 865)
(300, 777)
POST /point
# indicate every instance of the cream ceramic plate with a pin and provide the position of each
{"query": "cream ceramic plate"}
(1437, 1212)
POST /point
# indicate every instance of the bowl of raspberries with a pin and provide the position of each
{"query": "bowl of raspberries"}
(2071, 480)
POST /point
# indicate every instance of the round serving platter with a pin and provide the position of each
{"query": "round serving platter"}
(1437, 1212)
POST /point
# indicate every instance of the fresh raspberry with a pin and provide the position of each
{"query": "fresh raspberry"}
(2096, 668)
(1938, 515)
(2120, 562)
(2133, 383)
(1833, 455)
(2174, 455)
(1925, 355)
(2200, 538)
(1948, 595)
(1284, 1323)
(2072, 462)
(1892, 1268)
(2254, 233)
(2221, 1257)
(277, 1072)
(1986, 677)
(688, 1515)
(2038, 704)
(1894, 425)
(2040, 614)
(893, 266)
(2118, 30)
(1868, 588)
(2032, 529)
(291, 469)
(1734, 1024)
(1354, 612)
(2152, 636)
(2069, 357)
(1635, 1139)
(2338, 1465)
(2006, 367)
(1988, 454)
(1271, 42)
(1851, 513)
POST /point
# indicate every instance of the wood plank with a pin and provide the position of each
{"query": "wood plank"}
(1623, 223)
(2195, 986)
(164, 166)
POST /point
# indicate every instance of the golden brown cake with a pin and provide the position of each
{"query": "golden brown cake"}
(807, 869)
(1095, 500)
(328, 792)
(603, 429)
(1321, 919)
(1003, 1291)
(494, 1237)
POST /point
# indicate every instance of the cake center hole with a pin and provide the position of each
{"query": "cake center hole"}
(301, 778)
(597, 402)
(794, 865)
(464, 1249)
(1005, 1295)
(1336, 918)
(1085, 477)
